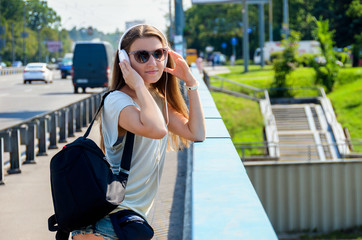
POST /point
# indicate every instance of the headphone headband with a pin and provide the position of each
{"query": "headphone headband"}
(125, 33)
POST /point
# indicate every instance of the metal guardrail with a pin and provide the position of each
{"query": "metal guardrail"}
(11, 70)
(245, 91)
(43, 132)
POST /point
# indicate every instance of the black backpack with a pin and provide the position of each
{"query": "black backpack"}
(84, 189)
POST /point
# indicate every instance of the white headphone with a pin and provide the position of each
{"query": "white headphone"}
(123, 55)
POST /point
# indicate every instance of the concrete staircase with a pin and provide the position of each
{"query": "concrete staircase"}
(303, 132)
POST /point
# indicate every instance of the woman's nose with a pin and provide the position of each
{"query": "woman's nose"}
(152, 60)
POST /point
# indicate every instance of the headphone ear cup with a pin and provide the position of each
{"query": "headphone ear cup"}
(122, 55)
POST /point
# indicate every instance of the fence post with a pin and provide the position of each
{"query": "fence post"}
(243, 154)
(71, 121)
(85, 113)
(30, 144)
(15, 163)
(42, 131)
(2, 164)
(78, 117)
(53, 131)
(63, 125)
(206, 79)
(91, 108)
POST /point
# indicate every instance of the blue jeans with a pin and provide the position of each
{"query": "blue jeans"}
(103, 228)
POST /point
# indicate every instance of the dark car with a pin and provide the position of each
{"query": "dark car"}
(92, 63)
(65, 66)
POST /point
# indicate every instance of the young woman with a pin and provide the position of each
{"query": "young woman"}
(148, 103)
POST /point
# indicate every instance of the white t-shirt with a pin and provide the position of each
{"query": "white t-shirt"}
(147, 158)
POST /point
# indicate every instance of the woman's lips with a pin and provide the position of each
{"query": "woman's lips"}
(152, 72)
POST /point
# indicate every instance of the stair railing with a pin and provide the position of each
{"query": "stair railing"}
(261, 96)
(336, 127)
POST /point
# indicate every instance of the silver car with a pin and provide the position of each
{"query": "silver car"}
(37, 72)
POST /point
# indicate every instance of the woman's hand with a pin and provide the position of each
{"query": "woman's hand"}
(132, 78)
(181, 70)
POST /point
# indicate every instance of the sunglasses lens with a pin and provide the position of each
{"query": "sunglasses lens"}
(159, 54)
(142, 56)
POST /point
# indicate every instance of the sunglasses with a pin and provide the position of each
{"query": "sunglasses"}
(142, 56)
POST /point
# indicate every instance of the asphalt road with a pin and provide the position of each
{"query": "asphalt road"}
(19, 101)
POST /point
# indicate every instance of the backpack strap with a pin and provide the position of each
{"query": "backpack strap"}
(95, 116)
(53, 226)
(128, 148)
(127, 152)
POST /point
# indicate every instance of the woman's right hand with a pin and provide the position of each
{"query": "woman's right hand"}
(132, 78)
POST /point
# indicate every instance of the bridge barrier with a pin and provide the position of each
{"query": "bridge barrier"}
(32, 138)
(309, 196)
(220, 201)
(11, 70)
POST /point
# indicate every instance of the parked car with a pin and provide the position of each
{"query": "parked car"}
(92, 63)
(37, 72)
(2, 65)
(66, 65)
(17, 64)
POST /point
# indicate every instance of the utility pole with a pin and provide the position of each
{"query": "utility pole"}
(179, 26)
(261, 33)
(39, 45)
(245, 36)
(13, 41)
(270, 20)
(24, 35)
(170, 30)
(1, 33)
(285, 18)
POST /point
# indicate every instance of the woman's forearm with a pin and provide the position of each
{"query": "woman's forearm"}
(150, 114)
(196, 121)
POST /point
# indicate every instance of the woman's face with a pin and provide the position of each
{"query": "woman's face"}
(150, 71)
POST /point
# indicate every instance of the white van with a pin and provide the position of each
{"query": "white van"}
(309, 46)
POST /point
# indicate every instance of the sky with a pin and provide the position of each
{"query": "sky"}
(108, 15)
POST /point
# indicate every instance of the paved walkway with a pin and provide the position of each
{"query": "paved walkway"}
(211, 71)
(26, 203)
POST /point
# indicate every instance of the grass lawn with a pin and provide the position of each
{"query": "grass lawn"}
(244, 121)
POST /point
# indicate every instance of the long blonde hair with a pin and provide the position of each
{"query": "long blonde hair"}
(174, 96)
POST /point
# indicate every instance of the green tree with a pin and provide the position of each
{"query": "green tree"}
(213, 24)
(40, 16)
(285, 64)
(42, 23)
(326, 75)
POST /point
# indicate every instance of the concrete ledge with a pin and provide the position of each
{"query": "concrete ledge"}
(223, 203)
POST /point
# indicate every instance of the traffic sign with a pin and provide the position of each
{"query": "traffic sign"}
(234, 41)
(224, 45)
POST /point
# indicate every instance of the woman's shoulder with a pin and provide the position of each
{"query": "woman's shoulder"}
(117, 96)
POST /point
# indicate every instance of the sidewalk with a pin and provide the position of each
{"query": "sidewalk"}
(26, 203)
(211, 71)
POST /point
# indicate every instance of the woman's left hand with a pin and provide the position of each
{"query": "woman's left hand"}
(181, 70)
